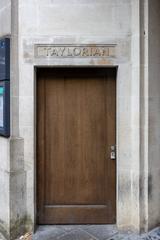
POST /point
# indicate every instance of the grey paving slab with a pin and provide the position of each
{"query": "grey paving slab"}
(69, 228)
(47, 232)
(76, 235)
(102, 231)
(117, 237)
(153, 235)
(89, 232)
(132, 237)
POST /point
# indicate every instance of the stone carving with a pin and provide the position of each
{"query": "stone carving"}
(76, 51)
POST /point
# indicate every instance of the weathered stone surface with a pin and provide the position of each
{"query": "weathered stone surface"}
(93, 232)
(123, 23)
(102, 231)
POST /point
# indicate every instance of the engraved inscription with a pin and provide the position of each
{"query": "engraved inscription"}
(79, 51)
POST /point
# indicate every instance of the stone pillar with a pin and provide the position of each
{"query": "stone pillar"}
(17, 173)
(154, 114)
(149, 115)
(4, 189)
(143, 197)
(5, 30)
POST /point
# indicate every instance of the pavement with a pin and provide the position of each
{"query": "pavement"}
(89, 232)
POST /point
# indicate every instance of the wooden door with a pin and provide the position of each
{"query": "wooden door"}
(76, 120)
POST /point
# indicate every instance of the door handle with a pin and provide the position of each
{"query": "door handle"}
(113, 152)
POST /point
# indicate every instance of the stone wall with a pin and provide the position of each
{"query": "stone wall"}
(5, 17)
(18, 217)
(5, 30)
(154, 114)
(123, 23)
(85, 22)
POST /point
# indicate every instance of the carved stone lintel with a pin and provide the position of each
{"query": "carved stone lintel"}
(76, 51)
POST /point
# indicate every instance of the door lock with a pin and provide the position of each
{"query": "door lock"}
(113, 152)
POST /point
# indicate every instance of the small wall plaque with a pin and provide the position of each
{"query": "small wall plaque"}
(76, 51)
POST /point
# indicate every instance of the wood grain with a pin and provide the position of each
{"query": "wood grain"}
(76, 179)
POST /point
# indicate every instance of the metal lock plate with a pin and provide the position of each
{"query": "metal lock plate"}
(113, 152)
(113, 155)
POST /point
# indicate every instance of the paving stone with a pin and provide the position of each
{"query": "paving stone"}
(149, 238)
(102, 231)
(47, 232)
(89, 232)
(132, 237)
(69, 228)
(153, 235)
(117, 237)
(76, 235)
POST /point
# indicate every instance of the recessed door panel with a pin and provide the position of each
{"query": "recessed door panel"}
(75, 132)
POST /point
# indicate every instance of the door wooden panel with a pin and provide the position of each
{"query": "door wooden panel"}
(76, 179)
